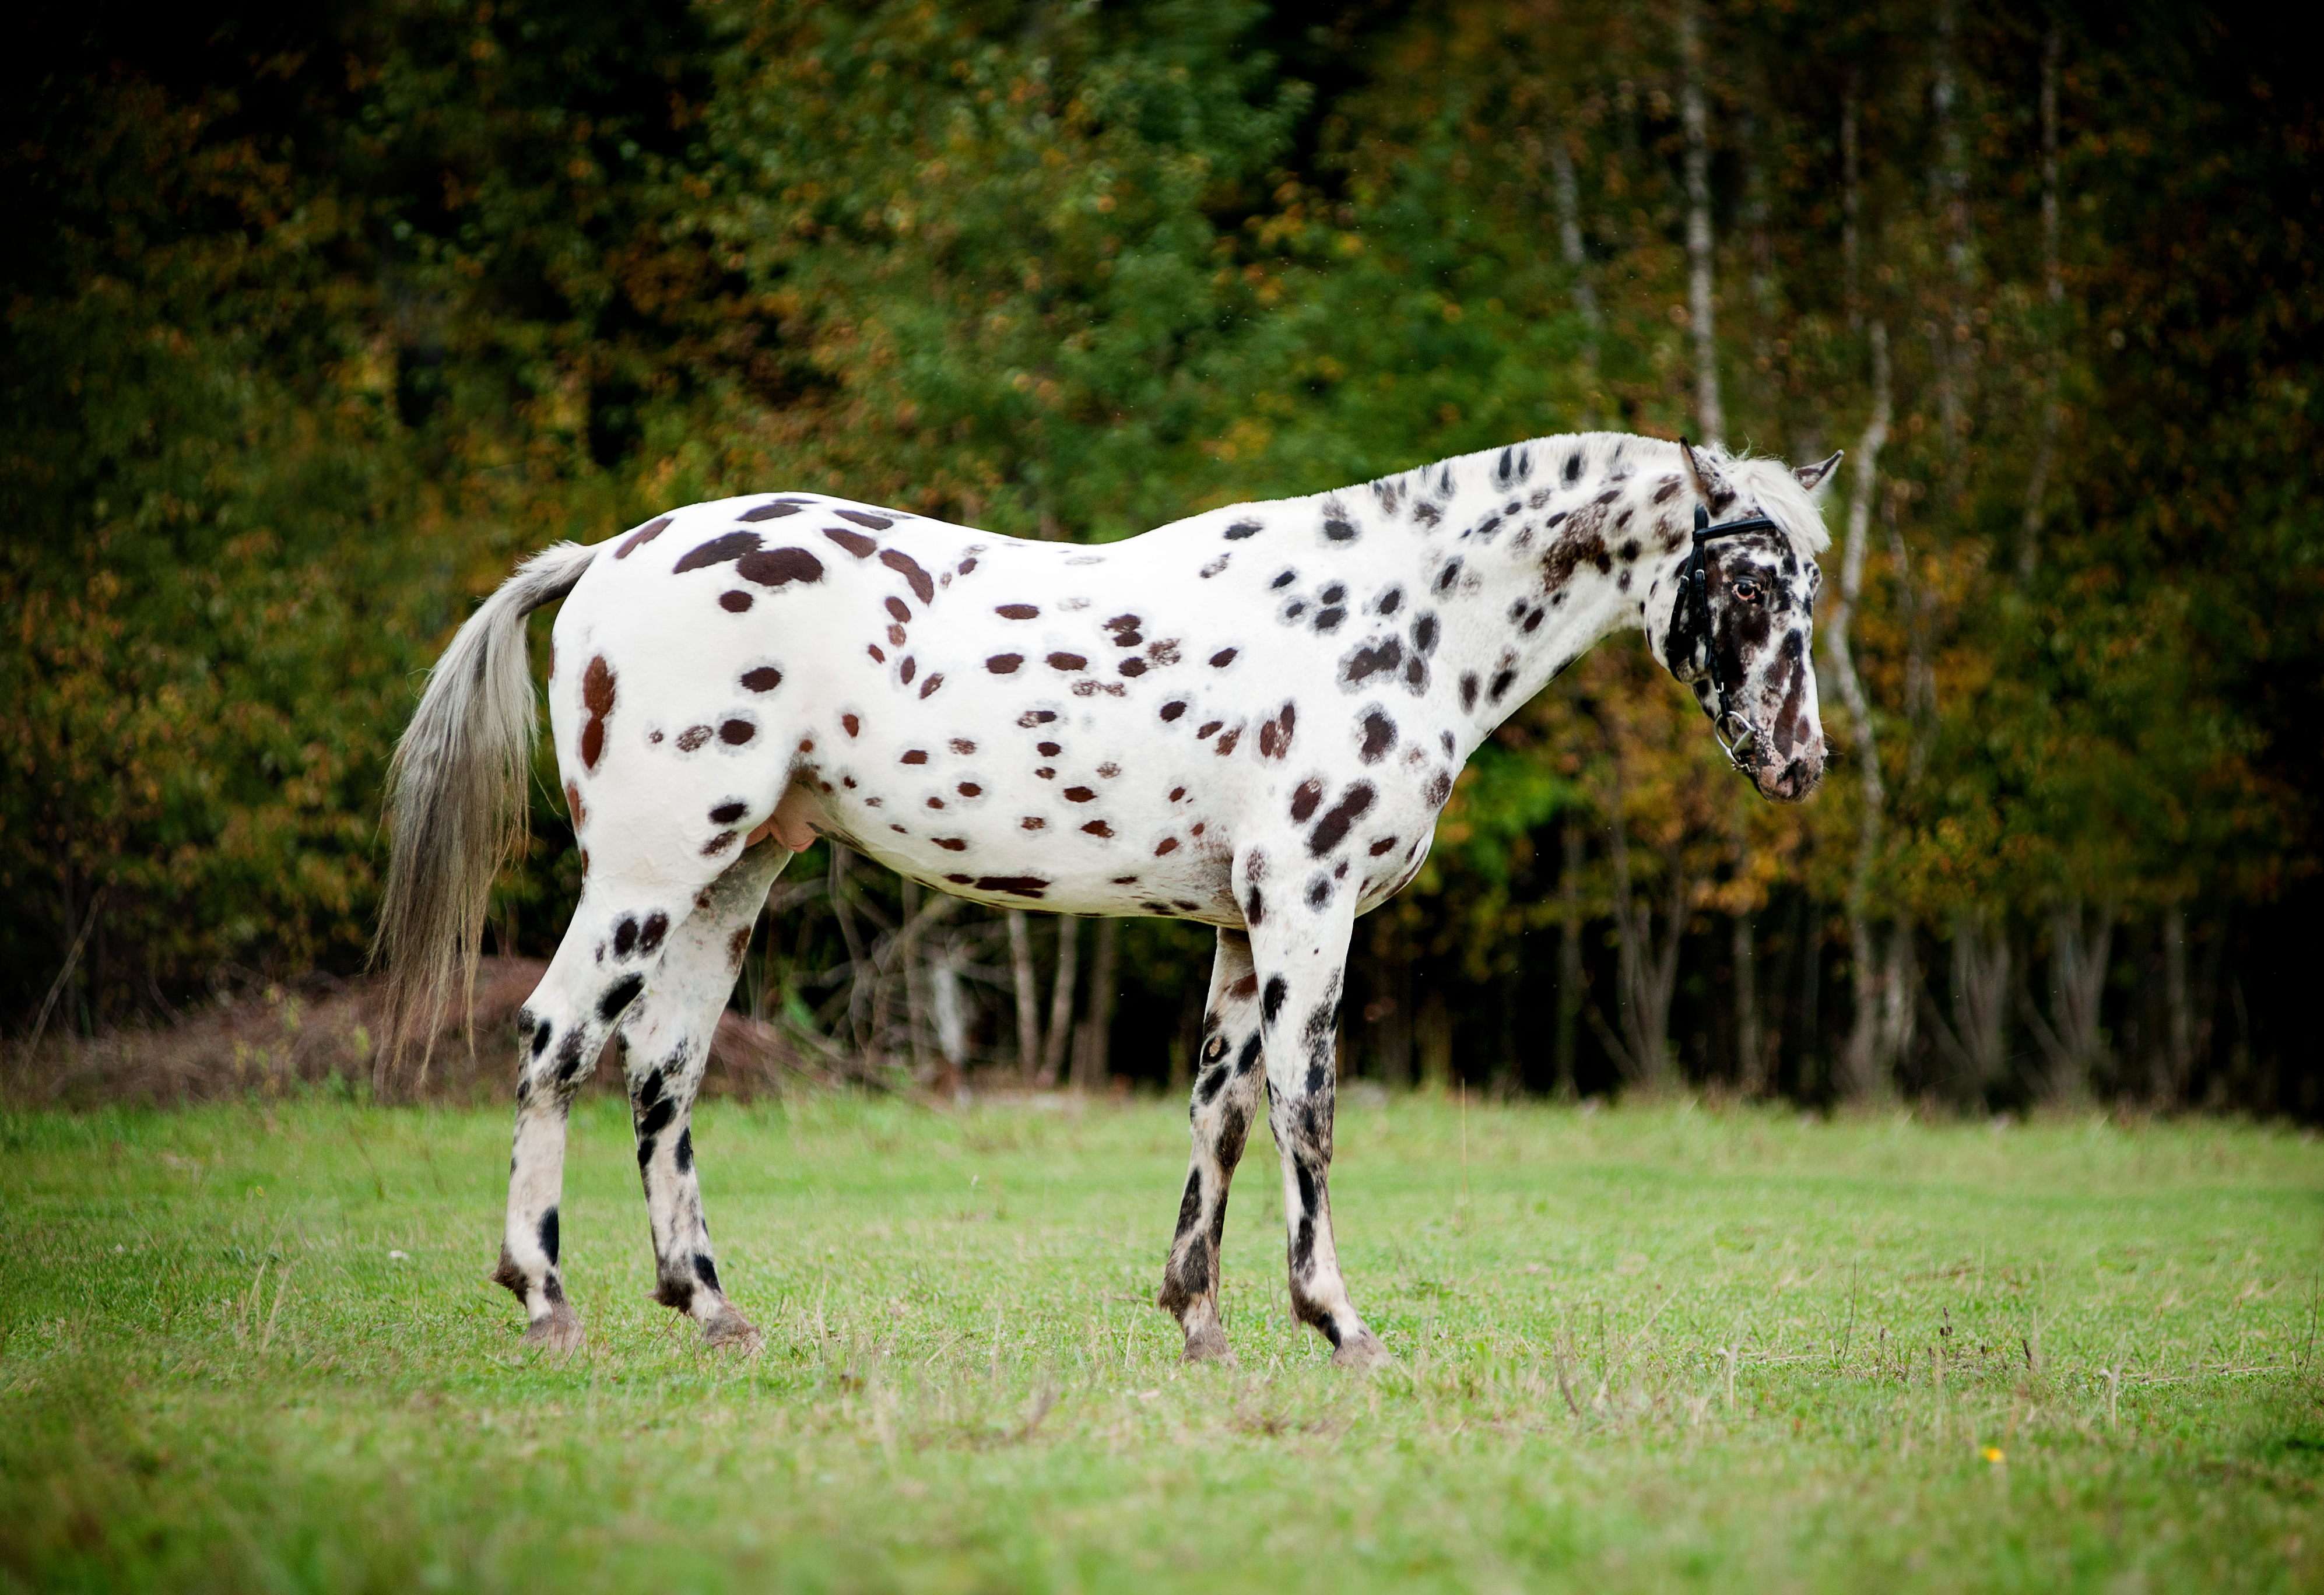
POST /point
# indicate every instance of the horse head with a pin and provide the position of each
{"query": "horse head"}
(1734, 623)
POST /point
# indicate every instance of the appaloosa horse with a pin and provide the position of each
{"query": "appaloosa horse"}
(1249, 718)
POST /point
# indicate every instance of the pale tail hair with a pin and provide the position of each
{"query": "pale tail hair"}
(456, 801)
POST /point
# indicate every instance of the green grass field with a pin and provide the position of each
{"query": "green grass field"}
(252, 1348)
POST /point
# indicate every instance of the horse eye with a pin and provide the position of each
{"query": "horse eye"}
(1748, 590)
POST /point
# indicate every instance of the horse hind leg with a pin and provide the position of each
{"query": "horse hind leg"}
(612, 949)
(665, 1044)
(1225, 1100)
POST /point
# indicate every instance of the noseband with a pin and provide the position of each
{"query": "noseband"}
(1740, 743)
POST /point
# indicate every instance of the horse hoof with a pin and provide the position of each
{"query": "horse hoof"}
(1209, 1344)
(1361, 1352)
(730, 1330)
(559, 1334)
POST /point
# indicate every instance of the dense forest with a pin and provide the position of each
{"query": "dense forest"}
(320, 318)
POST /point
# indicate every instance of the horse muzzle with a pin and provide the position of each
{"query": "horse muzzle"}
(1791, 779)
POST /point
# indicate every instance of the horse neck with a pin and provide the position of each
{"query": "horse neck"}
(1514, 562)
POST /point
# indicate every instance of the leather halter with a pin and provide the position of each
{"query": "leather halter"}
(1696, 579)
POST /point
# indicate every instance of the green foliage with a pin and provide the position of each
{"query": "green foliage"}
(314, 329)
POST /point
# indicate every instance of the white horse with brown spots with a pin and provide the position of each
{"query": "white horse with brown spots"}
(1249, 718)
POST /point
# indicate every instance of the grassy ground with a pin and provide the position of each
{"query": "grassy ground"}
(251, 1348)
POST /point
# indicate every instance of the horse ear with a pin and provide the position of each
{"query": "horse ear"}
(1812, 478)
(1705, 481)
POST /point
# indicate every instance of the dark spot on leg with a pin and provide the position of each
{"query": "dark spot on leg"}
(684, 1155)
(548, 1236)
(706, 1270)
(650, 933)
(618, 997)
(625, 935)
(1278, 989)
(1304, 799)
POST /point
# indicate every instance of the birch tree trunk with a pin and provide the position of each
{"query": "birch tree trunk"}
(1093, 1049)
(1694, 113)
(1029, 995)
(1647, 964)
(2081, 944)
(1852, 176)
(1750, 1060)
(1577, 261)
(1569, 956)
(1858, 1072)
(1061, 1002)
(916, 1008)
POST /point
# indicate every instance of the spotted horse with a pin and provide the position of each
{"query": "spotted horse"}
(1249, 718)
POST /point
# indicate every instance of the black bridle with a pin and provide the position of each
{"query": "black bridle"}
(1737, 743)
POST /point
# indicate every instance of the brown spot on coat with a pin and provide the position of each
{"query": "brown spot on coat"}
(1030, 886)
(597, 697)
(718, 550)
(854, 543)
(905, 566)
(641, 537)
(775, 568)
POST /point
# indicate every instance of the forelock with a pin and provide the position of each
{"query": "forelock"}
(1770, 485)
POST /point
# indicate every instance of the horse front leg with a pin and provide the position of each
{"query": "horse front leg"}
(1226, 1092)
(1299, 944)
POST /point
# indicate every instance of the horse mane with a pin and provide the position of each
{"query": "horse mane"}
(1767, 483)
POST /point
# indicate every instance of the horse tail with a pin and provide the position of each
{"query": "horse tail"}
(456, 800)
